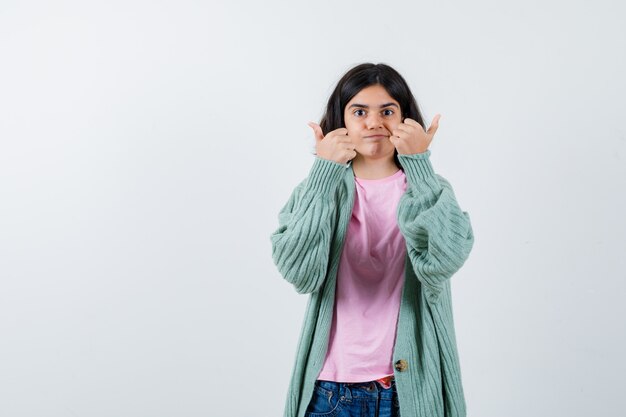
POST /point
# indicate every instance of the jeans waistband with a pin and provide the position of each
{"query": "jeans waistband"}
(358, 389)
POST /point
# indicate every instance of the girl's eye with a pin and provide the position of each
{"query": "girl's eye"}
(388, 112)
(359, 112)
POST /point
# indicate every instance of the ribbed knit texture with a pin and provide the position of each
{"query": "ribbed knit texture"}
(306, 249)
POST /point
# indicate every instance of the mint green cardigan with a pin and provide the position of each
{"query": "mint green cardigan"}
(306, 248)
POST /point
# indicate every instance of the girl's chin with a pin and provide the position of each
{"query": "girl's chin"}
(375, 151)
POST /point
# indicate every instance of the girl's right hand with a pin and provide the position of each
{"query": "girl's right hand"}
(335, 146)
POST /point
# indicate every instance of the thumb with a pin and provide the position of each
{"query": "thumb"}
(434, 125)
(319, 135)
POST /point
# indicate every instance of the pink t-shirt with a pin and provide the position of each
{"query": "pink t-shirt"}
(369, 285)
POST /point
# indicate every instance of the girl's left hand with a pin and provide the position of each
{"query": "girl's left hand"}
(410, 138)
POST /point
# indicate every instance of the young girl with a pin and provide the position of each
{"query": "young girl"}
(374, 235)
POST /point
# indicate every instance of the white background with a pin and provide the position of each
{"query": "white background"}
(146, 148)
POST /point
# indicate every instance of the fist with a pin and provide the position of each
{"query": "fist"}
(410, 138)
(335, 146)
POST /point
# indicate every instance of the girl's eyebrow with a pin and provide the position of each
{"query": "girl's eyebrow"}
(365, 106)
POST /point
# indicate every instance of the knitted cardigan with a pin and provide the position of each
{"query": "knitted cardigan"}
(306, 248)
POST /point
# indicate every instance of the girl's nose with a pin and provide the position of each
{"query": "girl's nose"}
(374, 121)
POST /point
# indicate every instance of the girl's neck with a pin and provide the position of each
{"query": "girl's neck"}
(373, 169)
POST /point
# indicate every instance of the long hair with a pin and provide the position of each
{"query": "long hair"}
(360, 77)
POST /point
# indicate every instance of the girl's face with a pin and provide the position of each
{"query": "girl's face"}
(370, 117)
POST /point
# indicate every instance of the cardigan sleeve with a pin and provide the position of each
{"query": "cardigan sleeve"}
(301, 243)
(438, 233)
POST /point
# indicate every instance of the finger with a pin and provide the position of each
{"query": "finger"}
(397, 133)
(344, 143)
(407, 128)
(343, 139)
(317, 130)
(341, 131)
(434, 125)
(414, 125)
(412, 122)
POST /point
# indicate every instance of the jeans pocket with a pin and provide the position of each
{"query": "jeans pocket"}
(324, 403)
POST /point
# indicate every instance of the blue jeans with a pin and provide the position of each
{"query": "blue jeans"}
(353, 399)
